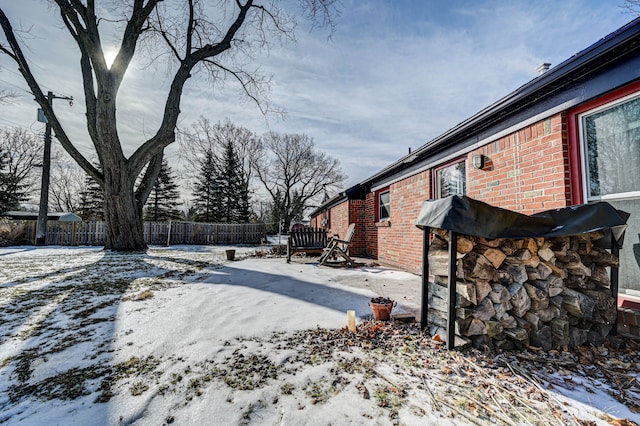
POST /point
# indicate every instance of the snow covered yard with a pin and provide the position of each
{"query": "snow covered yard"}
(180, 335)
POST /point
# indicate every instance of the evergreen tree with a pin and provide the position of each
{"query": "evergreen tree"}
(91, 200)
(207, 191)
(162, 204)
(244, 200)
(222, 188)
(235, 193)
(277, 211)
(11, 193)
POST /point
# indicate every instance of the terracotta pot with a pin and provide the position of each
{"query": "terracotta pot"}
(231, 254)
(381, 311)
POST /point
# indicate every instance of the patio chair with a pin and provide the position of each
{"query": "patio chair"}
(306, 240)
(339, 247)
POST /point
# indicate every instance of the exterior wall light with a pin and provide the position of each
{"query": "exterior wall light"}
(479, 161)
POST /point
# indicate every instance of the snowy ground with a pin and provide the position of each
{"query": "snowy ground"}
(180, 335)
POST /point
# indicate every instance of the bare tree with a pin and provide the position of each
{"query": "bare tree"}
(295, 174)
(68, 181)
(210, 142)
(631, 6)
(219, 40)
(205, 137)
(24, 157)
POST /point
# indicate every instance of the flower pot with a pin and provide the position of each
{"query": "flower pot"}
(231, 254)
(381, 311)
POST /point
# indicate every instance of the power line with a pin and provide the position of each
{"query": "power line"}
(9, 123)
(21, 77)
(16, 86)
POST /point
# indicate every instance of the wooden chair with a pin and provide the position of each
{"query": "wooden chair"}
(306, 240)
(339, 247)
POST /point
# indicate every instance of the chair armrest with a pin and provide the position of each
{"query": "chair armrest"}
(340, 241)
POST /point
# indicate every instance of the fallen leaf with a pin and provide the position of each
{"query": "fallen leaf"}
(622, 422)
(446, 370)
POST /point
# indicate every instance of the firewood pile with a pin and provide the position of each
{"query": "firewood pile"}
(513, 293)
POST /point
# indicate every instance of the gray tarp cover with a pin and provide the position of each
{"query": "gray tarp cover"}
(465, 215)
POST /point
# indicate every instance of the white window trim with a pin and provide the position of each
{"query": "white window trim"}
(438, 188)
(382, 219)
(583, 154)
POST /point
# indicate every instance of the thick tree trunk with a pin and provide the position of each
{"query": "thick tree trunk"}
(123, 215)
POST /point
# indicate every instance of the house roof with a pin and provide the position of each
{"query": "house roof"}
(556, 88)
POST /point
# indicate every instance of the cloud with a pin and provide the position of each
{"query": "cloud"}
(393, 76)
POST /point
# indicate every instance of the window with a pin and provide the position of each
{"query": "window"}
(611, 154)
(604, 148)
(384, 205)
(451, 179)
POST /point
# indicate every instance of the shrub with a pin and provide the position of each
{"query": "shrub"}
(12, 232)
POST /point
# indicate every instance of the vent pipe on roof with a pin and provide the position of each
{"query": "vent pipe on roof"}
(409, 150)
(543, 68)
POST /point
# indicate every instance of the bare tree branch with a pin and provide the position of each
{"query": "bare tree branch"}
(294, 173)
(222, 44)
(24, 69)
(632, 7)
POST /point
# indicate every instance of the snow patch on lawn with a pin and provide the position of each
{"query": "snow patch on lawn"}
(180, 335)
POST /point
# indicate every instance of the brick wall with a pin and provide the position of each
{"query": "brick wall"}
(629, 322)
(527, 171)
(357, 215)
(339, 216)
(370, 230)
(399, 241)
(629, 316)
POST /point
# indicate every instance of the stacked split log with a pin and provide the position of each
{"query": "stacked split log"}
(546, 293)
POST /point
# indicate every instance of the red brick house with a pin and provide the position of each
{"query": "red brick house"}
(570, 136)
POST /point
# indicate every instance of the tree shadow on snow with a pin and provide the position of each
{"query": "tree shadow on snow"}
(57, 329)
(286, 284)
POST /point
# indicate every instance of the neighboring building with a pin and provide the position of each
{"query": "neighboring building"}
(61, 217)
(569, 136)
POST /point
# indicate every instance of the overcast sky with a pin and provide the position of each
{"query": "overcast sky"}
(394, 75)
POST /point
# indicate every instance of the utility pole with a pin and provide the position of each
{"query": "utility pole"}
(41, 227)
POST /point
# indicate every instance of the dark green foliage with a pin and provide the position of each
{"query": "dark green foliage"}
(207, 191)
(235, 193)
(11, 192)
(222, 189)
(162, 204)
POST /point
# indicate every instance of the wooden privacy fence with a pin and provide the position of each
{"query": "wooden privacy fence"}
(92, 233)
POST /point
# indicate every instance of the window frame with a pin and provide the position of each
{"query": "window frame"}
(438, 169)
(577, 181)
(380, 193)
(584, 151)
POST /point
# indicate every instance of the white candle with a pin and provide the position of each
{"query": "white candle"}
(351, 320)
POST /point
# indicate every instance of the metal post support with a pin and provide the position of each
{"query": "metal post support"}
(424, 306)
(615, 251)
(451, 293)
